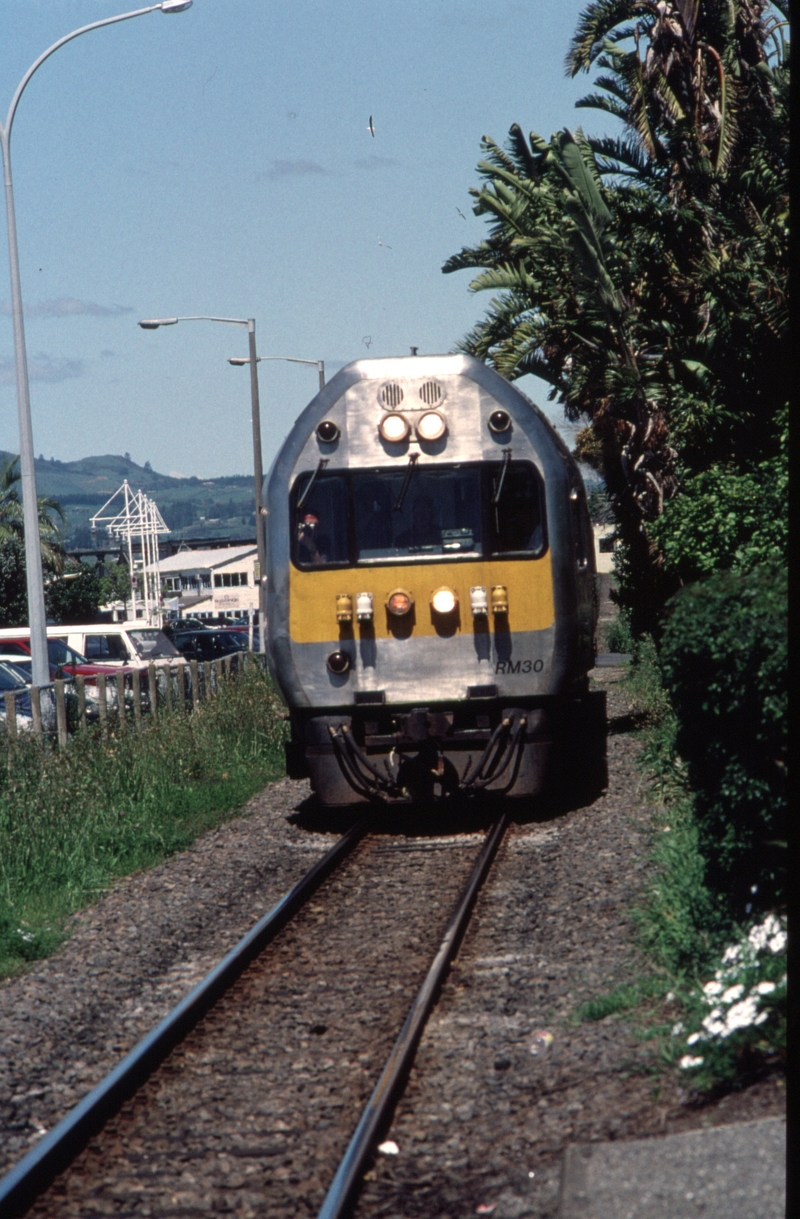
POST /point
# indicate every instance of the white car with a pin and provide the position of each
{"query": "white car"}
(129, 645)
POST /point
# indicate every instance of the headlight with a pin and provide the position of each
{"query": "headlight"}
(394, 428)
(338, 663)
(364, 607)
(344, 607)
(327, 431)
(399, 602)
(444, 600)
(479, 602)
(499, 421)
(431, 426)
(499, 599)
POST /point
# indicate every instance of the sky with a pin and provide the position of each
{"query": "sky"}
(219, 161)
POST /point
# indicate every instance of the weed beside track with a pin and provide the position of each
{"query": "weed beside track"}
(73, 820)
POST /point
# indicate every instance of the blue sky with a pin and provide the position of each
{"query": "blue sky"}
(219, 162)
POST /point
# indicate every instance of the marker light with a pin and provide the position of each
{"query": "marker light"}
(344, 607)
(499, 421)
(431, 425)
(499, 599)
(364, 607)
(399, 602)
(338, 663)
(394, 428)
(327, 431)
(479, 602)
(444, 600)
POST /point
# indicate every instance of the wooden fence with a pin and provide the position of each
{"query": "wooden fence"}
(123, 700)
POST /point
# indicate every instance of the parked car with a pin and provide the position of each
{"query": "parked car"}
(183, 624)
(64, 660)
(209, 644)
(12, 679)
(116, 644)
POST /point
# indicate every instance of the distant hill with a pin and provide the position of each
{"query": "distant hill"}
(214, 506)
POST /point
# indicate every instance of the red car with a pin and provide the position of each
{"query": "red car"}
(64, 660)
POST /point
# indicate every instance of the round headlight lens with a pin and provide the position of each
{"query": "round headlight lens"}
(499, 421)
(431, 426)
(327, 431)
(394, 428)
(399, 602)
(338, 663)
(444, 600)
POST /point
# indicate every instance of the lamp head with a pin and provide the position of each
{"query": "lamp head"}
(153, 323)
(238, 360)
(175, 6)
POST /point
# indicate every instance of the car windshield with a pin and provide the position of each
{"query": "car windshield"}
(60, 653)
(412, 512)
(9, 648)
(12, 677)
(150, 644)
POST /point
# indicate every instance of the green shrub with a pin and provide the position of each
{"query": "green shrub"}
(724, 657)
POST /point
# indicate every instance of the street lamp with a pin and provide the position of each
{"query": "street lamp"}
(258, 471)
(318, 364)
(40, 666)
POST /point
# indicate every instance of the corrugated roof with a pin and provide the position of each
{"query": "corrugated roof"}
(203, 560)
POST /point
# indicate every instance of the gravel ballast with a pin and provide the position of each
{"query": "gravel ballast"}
(485, 1119)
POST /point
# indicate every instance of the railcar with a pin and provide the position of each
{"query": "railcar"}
(430, 589)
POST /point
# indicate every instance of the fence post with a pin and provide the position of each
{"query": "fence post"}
(207, 678)
(36, 711)
(120, 680)
(152, 678)
(195, 682)
(185, 687)
(102, 701)
(136, 684)
(61, 713)
(226, 667)
(80, 687)
(11, 713)
(168, 673)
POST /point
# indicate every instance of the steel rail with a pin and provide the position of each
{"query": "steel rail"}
(377, 1115)
(57, 1149)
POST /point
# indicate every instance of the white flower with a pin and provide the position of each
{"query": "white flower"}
(765, 988)
(712, 989)
(688, 1061)
(740, 1015)
(693, 1040)
(732, 993)
(778, 942)
(731, 954)
(712, 1023)
(670, 997)
(761, 1018)
(677, 1028)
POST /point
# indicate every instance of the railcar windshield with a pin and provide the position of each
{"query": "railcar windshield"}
(410, 512)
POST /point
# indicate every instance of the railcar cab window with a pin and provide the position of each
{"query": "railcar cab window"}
(462, 511)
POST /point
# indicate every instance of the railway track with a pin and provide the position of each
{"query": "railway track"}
(242, 1098)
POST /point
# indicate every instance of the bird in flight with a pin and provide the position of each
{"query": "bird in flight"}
(367, 341)
(461, 214)
(383, 243)
(371, 127)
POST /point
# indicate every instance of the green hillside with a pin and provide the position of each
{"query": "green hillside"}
(209, 507)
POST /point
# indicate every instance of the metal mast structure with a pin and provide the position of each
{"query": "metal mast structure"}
(138, 517)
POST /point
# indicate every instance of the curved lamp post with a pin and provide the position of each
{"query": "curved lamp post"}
(40, 666)
(258, 470)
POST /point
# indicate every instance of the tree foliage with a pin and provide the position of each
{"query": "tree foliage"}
(645, 277)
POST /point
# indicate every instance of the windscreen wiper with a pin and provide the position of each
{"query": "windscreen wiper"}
(502, 478)
(412, 461)
(323, 461)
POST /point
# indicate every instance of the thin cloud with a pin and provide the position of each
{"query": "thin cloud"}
(373, 162)
(42, 368)
(292, 169)
(69, 306)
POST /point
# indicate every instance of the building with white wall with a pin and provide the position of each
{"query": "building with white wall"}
(206, 583)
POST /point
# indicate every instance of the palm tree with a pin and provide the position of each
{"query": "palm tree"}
(11, 518)
(645, 278)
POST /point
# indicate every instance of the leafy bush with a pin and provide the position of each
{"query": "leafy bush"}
(724, 658)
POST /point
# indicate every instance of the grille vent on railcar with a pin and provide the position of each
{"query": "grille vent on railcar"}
(430, 392)
(391, 394)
